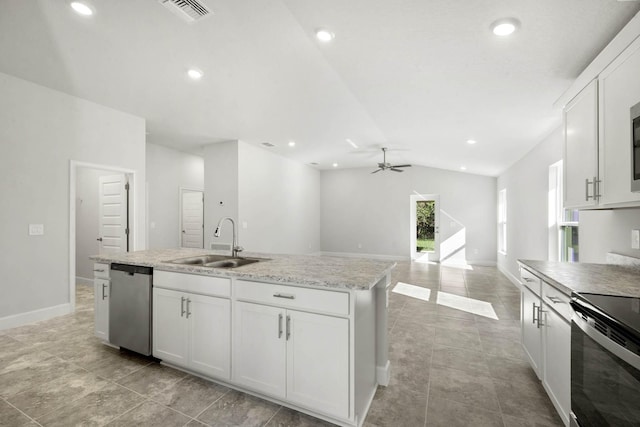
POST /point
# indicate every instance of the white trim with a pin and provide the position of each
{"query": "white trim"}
(483, 263)
(510, 276)
(84, 281)
(133, 214)
(383, 374)
(361, 255)
(21, 319)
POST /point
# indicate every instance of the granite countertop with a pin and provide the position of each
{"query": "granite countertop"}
(588, 278)
(309, 270)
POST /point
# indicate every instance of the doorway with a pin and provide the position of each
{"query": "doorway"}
(100, 205)
(425, 227)
(191, 218)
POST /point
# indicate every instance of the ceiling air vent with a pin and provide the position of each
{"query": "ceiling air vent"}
(189, 10)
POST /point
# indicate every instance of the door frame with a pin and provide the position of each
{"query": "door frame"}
(413, 199)
(180, 192)
(74, 165)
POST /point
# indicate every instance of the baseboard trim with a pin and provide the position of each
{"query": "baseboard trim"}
(21, 319)
(84, 281)
(481, 263)
(383, 374)
(510, 276)
(363, 255)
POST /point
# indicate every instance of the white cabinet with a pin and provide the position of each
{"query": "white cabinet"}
(101, 288)
(557, 361)
(546, 338)
(191, 330)
(290, 354)
(581, 149)
(619, 91)
(531, 333)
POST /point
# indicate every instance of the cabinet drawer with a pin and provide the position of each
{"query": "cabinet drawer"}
(194, 283)
(329, 302)
(101, 270)
(556, 300)
(530, 281)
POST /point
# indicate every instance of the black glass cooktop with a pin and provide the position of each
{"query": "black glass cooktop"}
(625, 311)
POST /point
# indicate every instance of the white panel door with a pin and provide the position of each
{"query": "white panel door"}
(259, 348)
(318, 362)
(170, 326)
(210, 341)
(192, 227)
(112, 214)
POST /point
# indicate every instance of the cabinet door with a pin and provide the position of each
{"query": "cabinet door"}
(101, 308)
(557, 362)
(318, 362)
(531, 332)
(260, 348)
(581, 147)
(170, 326)
(210, 340)
(619, 91)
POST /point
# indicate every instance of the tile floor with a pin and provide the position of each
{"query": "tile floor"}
(449, 368)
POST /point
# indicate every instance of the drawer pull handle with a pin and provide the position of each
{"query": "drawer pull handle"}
(535, 310)
(182, 307)
(188, 304)
(528, 279)
(288, 327)
(279, 325)
(285, 296)
(555, 300)
(100, 270)
(103, 295)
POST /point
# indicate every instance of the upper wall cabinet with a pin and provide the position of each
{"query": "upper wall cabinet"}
(619, 90)
(581, 149)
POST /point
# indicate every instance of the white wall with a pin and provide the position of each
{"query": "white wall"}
(87, 220)
(279, 201)
(167, 171)
(220, 189)
(605, 231)
(527, 184)
(373, 211)
(41, 130)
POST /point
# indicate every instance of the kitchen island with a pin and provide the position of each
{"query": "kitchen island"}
(308, 332)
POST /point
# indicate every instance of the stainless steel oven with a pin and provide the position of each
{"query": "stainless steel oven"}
(605, 361)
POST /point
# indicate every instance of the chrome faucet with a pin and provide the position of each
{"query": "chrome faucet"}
(234, 245)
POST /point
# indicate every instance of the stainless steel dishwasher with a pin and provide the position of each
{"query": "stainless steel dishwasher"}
(130, 307)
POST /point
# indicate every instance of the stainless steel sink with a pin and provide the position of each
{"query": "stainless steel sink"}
(216, 261)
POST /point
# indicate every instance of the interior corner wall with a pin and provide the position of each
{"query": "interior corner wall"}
(220, 190)
(168, 170)
(41, 130)
(369, 214)
(279, 203)
(527, 184)
(87, 220)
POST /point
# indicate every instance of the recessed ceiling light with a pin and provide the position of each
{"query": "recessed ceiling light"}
(505, 27)
(325, 35)
(81, 8)
(471, 141)
(195, 74)
(335, 165)
(351, 143)
(292, 143)
(463, 168)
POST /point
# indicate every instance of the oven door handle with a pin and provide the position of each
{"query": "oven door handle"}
(619, 351)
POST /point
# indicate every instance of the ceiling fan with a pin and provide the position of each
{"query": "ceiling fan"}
(384, 165)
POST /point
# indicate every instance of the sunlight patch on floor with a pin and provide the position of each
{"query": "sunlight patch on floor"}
(470, 305)
(412, 291)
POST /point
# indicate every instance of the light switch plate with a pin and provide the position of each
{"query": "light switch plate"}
(635, 239)
(36, 229)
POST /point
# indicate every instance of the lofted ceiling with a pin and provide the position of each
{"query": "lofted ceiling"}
(419, 76)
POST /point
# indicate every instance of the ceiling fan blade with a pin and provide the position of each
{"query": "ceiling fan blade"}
(377, 170)
(396, 170)
(401, 166)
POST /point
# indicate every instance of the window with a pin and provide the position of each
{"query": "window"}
(563, 223)
(502, 221)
